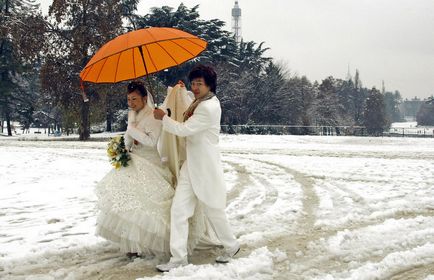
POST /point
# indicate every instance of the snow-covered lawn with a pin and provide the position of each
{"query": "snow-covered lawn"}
(303, 207)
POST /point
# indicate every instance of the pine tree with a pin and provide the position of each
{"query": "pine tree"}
(298, 102)
(374, 114)
(392, 102)
(326, 104)
(18, 55)
(358, 98)
(263, 101)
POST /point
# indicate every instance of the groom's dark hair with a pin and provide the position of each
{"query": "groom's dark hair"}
(205, 72)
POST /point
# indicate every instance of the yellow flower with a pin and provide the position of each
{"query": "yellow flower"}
(118, 138)
(115, 151)
(111, 153)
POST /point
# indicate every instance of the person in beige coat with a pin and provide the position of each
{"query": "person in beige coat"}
(201, 176)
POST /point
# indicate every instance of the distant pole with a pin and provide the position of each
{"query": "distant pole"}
(236, 22)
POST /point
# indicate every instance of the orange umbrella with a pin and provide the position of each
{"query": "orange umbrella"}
(141, 52)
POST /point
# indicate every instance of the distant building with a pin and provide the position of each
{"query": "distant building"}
(409, 108)
(236, 21)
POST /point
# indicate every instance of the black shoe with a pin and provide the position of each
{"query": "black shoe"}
(132, 255)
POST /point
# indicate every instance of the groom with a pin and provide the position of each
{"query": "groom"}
(201, 176)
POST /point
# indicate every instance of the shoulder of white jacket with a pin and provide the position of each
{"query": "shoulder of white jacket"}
(209, 105)
(211, 102)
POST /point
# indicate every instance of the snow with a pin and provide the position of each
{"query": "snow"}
(303, 207)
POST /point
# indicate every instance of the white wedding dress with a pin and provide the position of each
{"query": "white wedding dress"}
(135, 201)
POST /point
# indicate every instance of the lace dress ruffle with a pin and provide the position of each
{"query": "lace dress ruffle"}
(134, 204)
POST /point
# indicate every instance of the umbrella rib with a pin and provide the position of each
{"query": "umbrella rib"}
(117, 68)
(87, 72)
(149, 54)
(102, 67)
(134, 64)
(150, 58)
(168, 52)
(183, 47)
(191, 41)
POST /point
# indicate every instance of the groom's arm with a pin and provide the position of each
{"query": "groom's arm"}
(199, 121)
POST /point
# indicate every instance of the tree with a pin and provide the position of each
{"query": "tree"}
(326, 104)
(263, 101)
(77, 29)
(298, 102)
(18, 56)
(346, 93)
(233, 90)
(358, 98)
(425, 115)
(374, 114)
(392, 102)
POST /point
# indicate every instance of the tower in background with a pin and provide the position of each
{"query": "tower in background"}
(236, 22)
(349, 77)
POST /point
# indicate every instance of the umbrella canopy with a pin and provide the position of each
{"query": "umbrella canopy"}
(141, 52)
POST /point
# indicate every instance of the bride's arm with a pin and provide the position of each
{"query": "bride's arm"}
(149, 136)
(128, 139)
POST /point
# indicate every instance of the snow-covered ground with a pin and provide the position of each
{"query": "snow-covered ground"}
(303, 207)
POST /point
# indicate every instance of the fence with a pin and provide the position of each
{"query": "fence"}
(294, 130)
(410, 132)
(324, 130)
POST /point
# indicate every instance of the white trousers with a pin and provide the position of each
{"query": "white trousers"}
(183, 206)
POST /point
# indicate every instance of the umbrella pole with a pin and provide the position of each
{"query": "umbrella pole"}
(147, 76)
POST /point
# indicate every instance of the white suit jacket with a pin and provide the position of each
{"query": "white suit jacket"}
(203, 153)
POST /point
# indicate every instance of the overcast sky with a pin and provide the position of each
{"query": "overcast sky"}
(390, 40)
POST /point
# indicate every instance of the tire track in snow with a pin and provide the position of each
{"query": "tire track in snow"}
(242, 179)
(417, 272)
(305, 244)
(252, 188)
(250, 171)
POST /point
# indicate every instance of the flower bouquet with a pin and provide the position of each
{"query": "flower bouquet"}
(117, 153)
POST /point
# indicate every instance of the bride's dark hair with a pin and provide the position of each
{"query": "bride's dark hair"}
(139, 86)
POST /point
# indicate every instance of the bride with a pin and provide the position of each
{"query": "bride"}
(134, 202)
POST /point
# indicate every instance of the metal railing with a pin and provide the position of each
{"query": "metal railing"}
(294, 130)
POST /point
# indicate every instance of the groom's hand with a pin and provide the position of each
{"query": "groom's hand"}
(181, 83)
(159, 114)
